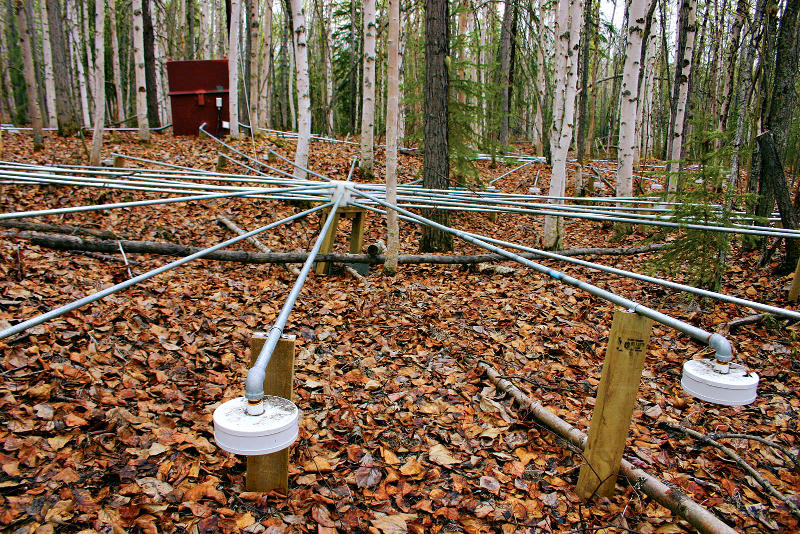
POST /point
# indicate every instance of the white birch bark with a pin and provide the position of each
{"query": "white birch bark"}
(392, 115)
(292, 79)
(368, 92)
(115, 61)
(26, 46)
(569, 19)
(99, 82)
(303, 90)
(86, 39)
(401, 54)
(266, 68)
(541, 84)
(138, 66)
(233, 68)
(164, 110)
(646, 98)
(49, 76)
(685, 63)
(329, 66)
(73, 17)
(629, 96)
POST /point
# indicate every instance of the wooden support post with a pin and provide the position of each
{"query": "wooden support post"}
(269, 472)
(118, 161)
(616, 397)
(357, 233)
(794, 291)
(327, 243)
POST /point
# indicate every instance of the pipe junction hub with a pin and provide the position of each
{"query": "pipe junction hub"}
(273, 430)
(706, 380)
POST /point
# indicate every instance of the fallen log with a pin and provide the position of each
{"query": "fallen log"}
(65, 242)
(57, 228)
(668, 496)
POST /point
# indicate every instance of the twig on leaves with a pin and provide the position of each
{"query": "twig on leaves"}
(769, 488)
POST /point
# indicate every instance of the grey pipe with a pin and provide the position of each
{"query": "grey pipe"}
(254, 383)
(52, 314)
(721, 345)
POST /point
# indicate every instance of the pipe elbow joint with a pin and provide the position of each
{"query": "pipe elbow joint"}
(254, 384)
(724, 351)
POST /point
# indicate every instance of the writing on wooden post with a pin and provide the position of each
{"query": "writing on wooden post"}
(616, 397)
(267, 472)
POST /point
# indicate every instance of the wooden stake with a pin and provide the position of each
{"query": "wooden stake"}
(794, 291)
(357, 233)
(616, 397)
(269, 472)
(330, 239)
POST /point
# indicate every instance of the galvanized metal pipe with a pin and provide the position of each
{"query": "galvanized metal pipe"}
(52, 314)
(722, 346)
(254, 384)
(492, 182)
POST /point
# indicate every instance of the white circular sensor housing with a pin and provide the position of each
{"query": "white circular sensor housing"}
(705, 380)
(238, 432)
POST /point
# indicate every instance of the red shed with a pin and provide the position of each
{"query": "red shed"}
(198, 92)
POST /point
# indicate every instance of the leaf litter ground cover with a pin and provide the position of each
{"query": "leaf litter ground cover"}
(106, 411)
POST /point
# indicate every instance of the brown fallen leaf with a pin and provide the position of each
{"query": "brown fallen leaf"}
(392, 524)
(412, 467)
(440, 455)
(201, 491)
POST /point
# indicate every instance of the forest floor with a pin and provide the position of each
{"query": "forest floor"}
(106, 411)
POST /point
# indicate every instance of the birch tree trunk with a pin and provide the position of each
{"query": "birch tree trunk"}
(67, 123)
(138, 67)
(81, 12)
(99, 81)
(266, 69)
(541, 84)
(49, 78)
(115, 61)
(73, 17)
(368, 99)
(743, 92)
(505, 53)
(233, 68)
(392, 113)
(683, 69)
(25, 42)
(303, 90)
(629, 96)
(329, 77)
(569, 19)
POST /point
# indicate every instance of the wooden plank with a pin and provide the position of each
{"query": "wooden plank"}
(357, 233)
(616, 397)
(794, 291)
(269, 472)
(328, 242)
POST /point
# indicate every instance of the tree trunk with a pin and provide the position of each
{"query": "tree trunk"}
(580, 140)
(775, 180)
(727, 90)
(683, 69)
(638, 13)
(26, 44)
(303, 90)
(150, 65)
(233, 67)
(267, 68)
(253, 77)
(329, 77)
(73, 20)
(49, 78)
(743, 92)
(189, 45)
(436, 159)
(503, 80)
(99, 82)
(115, 62)
(392, 112)
(368, 98)
(569, 19)
(139, 70)
(86, 46)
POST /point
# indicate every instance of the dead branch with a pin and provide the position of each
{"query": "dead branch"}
(233, 227)
(64, 242)
(785, 450)
(668, 496)
(769, 488)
